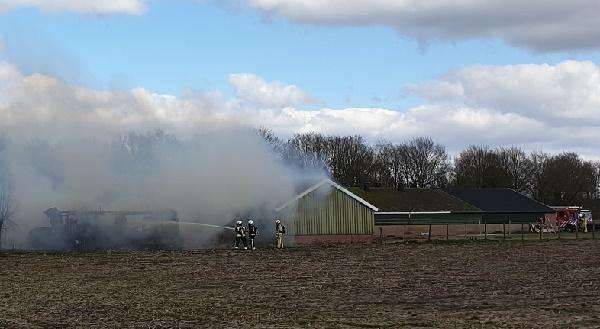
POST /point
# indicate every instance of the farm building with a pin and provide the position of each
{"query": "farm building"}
(329, 212)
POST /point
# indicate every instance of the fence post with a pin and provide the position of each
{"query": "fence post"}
(522, 232)
(485, 229)
(404, 233)
(447, 230)
(504, 231)
(429, 234)
(465, 231)
(509, 229)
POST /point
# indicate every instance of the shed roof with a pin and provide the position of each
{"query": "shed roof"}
(413, 200)
(500, 200)
(331, 183)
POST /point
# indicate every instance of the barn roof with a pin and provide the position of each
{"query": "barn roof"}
(499, 200)
(331, 183)
(413, 200)
(432, 201)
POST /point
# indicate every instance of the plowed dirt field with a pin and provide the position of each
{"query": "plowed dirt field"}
(474, 285)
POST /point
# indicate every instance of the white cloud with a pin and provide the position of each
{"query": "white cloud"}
(553, 108)
(453, 126)
(568, 91)
(256, 91)
(538, 25)
(42, 103)
(103, 7)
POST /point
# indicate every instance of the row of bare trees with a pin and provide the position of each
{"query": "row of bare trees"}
(422, 163)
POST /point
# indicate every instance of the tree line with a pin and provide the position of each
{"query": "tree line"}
(420, 162)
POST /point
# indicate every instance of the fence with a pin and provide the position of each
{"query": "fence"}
(468, 231)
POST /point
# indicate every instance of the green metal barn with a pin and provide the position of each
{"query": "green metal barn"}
(328, 212)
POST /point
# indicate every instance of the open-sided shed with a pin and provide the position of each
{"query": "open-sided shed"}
(502, 205)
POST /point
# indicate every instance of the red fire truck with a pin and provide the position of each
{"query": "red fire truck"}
(568, 217)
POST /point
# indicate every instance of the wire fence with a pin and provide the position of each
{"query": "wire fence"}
(492, 232)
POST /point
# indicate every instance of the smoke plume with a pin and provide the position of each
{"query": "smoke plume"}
(70, 147)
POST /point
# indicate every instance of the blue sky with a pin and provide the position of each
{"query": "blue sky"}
(503, 72)
(176, 46)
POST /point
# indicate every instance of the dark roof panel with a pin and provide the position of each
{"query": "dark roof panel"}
(499, 200)
(412, 200)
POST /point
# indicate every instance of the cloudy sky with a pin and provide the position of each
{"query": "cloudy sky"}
(495, 72)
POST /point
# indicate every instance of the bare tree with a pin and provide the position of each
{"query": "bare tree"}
(539, 160)
(425, 163)
(518, 169)
(387, 168)
(7, 207)
(307, 150)
(350, 159)
(567, 179)
(479, 167)
(271, 139)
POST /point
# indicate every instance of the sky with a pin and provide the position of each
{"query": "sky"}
(463, 72)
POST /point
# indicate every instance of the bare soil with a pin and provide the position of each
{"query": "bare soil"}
(468, 285)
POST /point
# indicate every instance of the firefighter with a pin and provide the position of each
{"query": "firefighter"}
(240, 235)
(252, 231)
(279, 233)
(583, 222)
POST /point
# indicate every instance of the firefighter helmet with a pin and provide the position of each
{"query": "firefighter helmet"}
(278, 221)
(251, 222)
(239, 222)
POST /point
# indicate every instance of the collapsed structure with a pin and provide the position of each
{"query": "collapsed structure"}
(100, 229)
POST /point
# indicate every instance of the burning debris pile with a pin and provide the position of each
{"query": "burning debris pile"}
(99, 229)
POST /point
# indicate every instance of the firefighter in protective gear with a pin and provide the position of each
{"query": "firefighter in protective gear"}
(583, 222)
(240, 235)
(279, 233)
(252, 231)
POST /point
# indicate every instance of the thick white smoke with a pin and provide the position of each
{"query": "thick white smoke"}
(70, 147)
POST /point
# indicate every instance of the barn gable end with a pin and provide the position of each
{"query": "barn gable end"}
(328, 209)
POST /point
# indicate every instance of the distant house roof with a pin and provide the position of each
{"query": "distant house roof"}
(413, 200)
(322, 183)
(499, 200)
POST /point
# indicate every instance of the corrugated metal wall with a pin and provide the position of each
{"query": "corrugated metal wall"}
(328, 211)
